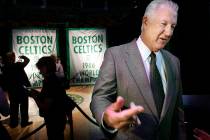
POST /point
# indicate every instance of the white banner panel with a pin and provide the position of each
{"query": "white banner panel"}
(34, 43)
(86, 49)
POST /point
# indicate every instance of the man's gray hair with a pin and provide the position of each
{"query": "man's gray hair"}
(155, 4)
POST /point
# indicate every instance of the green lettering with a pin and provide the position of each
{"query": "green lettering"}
(20, 50)
(74, 40)
(26, 39)
(19, 39)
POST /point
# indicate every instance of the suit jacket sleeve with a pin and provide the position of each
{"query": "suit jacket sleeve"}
(104, 92)
(181, 130)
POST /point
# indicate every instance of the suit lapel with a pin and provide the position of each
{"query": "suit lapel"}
(170, 85)
(136, 67)
(137, 70)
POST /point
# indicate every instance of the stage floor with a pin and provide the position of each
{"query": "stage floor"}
(83, 128)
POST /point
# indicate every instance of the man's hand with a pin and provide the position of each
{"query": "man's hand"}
(116, 118)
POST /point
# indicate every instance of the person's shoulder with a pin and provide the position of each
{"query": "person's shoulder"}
(169, 54)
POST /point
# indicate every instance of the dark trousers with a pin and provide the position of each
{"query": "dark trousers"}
(55, 133)
(15, 104)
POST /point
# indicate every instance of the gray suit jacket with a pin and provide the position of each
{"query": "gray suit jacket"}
(123, 74)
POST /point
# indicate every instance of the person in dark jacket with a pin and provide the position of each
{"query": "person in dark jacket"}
(51, 100)
(16, 79)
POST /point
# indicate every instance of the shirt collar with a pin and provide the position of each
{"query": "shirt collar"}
(144, 50)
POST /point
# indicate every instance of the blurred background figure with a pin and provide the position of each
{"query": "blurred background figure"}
(1, 65)
(51, 100)
(59, 66)
(16, 79)
(60, 71)
(1, 71)
(200, 134)
(4, 110)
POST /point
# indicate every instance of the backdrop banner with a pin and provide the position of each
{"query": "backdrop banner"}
(86, 49)
(34, 43)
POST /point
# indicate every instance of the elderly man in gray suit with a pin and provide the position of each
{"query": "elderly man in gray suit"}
(124, 98)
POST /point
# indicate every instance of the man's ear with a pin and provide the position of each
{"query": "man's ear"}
(144, 20)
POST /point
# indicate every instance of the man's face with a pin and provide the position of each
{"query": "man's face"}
(158, 28)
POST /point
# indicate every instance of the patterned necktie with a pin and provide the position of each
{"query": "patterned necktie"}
(156, 84)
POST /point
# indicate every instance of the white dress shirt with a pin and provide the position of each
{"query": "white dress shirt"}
(145, 54)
